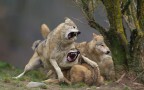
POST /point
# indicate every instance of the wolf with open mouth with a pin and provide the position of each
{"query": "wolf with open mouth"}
(54, 48)
(76, 69)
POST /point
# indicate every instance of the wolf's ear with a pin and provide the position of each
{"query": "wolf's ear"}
(67, 20)
(94, 35)
(100, 35)
(45, 30)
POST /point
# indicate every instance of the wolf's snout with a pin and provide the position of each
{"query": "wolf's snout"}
(108, 52)
(78, 52)
(73, 34)
(78, 33)
(72, 56)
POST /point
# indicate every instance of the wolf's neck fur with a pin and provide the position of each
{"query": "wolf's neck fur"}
(64, 46)
(91, 52)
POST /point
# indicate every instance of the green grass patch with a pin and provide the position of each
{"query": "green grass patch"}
(7, 72)
(4, 64)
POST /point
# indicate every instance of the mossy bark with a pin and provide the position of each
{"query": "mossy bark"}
(140, 13)
(116, 33)
(138, 47)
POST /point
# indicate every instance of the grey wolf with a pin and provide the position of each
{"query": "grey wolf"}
(98, 51)
(80, 72)
(53, 52)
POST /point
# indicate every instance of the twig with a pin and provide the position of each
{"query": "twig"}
(79, 20)
(129, 24)
(137, 84)
(120, 78)
(138, 76)
(126, 6)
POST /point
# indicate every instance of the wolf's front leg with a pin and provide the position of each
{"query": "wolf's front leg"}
(34, 63)
(90, 62)
(58, 70)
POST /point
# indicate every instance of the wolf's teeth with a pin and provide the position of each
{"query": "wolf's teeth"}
(69, 58)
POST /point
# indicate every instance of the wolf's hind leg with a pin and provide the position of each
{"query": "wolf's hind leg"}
(34, 63)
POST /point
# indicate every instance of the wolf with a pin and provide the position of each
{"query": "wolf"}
(51, 51)
(98, 51)
(85, 73)
(80, 72)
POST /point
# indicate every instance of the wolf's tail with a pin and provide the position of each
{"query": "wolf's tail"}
(35, 44)
(45, 30)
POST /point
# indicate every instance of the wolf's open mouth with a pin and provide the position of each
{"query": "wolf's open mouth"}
(73, 34)
(72, 56)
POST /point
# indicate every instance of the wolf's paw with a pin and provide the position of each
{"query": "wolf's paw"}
(19, 76)
(61, 78)
(14, 77)
(94, 64)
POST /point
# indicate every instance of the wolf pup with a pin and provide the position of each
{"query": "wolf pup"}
(97, 51)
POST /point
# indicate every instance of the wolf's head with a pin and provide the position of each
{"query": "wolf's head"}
(69, 31)
(72, 55)
(70, 59)
(98, 45)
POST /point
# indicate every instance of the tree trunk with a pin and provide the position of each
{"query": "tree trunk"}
(138, 47)
(140, 13)
(129, 54)
(116, 33)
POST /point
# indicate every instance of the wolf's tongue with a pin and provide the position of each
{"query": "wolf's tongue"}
(69, 36)
(69, 59)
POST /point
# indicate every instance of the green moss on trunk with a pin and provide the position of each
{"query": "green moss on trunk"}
(140, 13)
(116, 33)
(118, 51)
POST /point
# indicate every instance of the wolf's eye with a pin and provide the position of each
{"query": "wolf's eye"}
(102, 45)
(74, 27)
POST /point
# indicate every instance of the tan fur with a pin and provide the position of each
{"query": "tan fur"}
(81, 72)
(85, 73)
(45, 30)
(52, 51)
(97, 51)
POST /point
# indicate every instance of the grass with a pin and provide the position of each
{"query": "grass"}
(7, 71)
(8, 83)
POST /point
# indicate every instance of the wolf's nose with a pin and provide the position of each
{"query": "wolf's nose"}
(78, 33)
(107, 52)
(78, 52)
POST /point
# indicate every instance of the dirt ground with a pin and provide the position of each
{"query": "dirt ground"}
(21, 85)
(126, 82)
